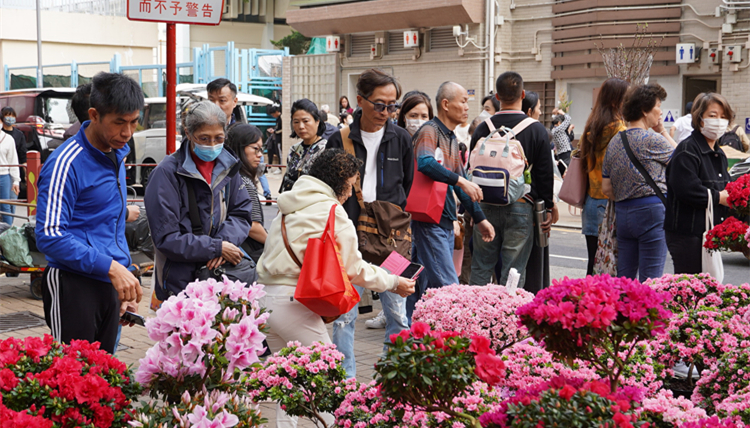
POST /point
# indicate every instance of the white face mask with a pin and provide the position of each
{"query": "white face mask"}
(412, 125)
(484, 115)
(713, 128)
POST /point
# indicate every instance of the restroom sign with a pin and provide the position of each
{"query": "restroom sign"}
(671, 115)
(333, 43)
(685, 53)
(411, 39)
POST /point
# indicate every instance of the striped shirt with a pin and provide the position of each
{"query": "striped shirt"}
(257, 212)
(560, 136)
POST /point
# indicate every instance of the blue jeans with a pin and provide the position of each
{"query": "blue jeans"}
(6, 192)
(432, 247)
(641, 245)
(514, 237)
(343, 337)
(394, 309)
(264, 183)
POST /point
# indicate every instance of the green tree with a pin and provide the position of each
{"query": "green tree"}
(296, 42)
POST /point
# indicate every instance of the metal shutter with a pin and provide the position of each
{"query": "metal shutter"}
(396, 43)
(442, 39)
(360, 45)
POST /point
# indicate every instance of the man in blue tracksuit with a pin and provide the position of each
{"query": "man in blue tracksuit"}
(81, 215)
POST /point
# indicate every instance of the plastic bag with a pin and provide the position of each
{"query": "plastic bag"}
(15, 247)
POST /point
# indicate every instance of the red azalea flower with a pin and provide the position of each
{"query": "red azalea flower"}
(8, 379)
(480, 345)
(490, 368)
(567, 392)
(597, 388)
(622, 421)
(419, 329)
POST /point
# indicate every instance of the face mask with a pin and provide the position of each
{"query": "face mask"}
(9, 120)
(484, 115)
(413, 125)
(207, 153)
(713, 128)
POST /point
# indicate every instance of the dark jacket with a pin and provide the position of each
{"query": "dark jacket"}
(395, 164)
(693, 169)
(535, 143)
(179, 253)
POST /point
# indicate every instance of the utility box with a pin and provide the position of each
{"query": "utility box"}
(733, 53)
(714, 56)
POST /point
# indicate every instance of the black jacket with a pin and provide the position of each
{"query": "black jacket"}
(395, 164)
(535, 143)
(693, 169)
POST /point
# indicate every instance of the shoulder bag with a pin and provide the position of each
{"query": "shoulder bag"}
(382, 227)
(244, 271)
(323, 285)
(639, 166)
(711, 263)
(573, 190)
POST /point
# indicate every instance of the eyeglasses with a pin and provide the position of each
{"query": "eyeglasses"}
(379, 107)
(258, 150)
(207, 140)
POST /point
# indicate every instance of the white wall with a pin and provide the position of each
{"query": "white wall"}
(68, 37)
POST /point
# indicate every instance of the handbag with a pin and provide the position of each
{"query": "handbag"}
(573, 190)
(605, 260)
(244, 271)
(711, 263)
(382, 227)
(323, 285)
(426, 198)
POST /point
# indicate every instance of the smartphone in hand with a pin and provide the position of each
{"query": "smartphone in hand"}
(133, 318)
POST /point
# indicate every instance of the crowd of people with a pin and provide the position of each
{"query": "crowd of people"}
(204, 208)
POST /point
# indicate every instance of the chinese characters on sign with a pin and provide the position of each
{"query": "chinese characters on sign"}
(205, 12)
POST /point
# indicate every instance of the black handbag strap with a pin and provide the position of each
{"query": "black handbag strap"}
(195, 218)
(641, 169)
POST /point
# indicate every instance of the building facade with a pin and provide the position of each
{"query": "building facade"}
(554, 45)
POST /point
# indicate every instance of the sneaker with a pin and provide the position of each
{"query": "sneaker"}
(681, 371)
(278, 171)
(377, 322)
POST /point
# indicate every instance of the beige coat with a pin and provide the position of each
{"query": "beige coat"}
(307, 207)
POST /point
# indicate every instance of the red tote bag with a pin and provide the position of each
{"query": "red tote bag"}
(323, 285)
(426, 198)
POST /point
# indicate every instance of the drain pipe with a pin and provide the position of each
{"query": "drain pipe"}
(487, 42)
(491, 47)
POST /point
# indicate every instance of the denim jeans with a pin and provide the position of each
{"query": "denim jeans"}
(343, 337)
(264, 182)
(6, 192)
(432, 247)
(394, 309)
(514, 237)
(641, 245)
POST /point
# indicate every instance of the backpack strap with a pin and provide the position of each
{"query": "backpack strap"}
(349, 148)
(490, 125)
(522, 125)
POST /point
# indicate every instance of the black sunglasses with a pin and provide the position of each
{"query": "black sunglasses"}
(379, 107)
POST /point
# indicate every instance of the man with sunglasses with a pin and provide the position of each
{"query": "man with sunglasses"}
(386, 175)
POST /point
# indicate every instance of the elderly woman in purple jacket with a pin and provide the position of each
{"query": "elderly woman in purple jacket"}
(203, 167)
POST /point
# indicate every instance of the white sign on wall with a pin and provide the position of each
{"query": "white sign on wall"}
(333, 43)
(670, 116)
(685, 53)
(411, 39)
(200, 12)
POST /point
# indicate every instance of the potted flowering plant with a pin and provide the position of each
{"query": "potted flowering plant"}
(577, 318)
(427, 369)
(664, 410)
(736, 407)
(566, 403)
(304, 380)
(207, 336)
(216, 409)
(738, 196)
(687, 291)
(728, 236)
(724, 379)
(488, 311)
(363, 406)
(44, 383)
